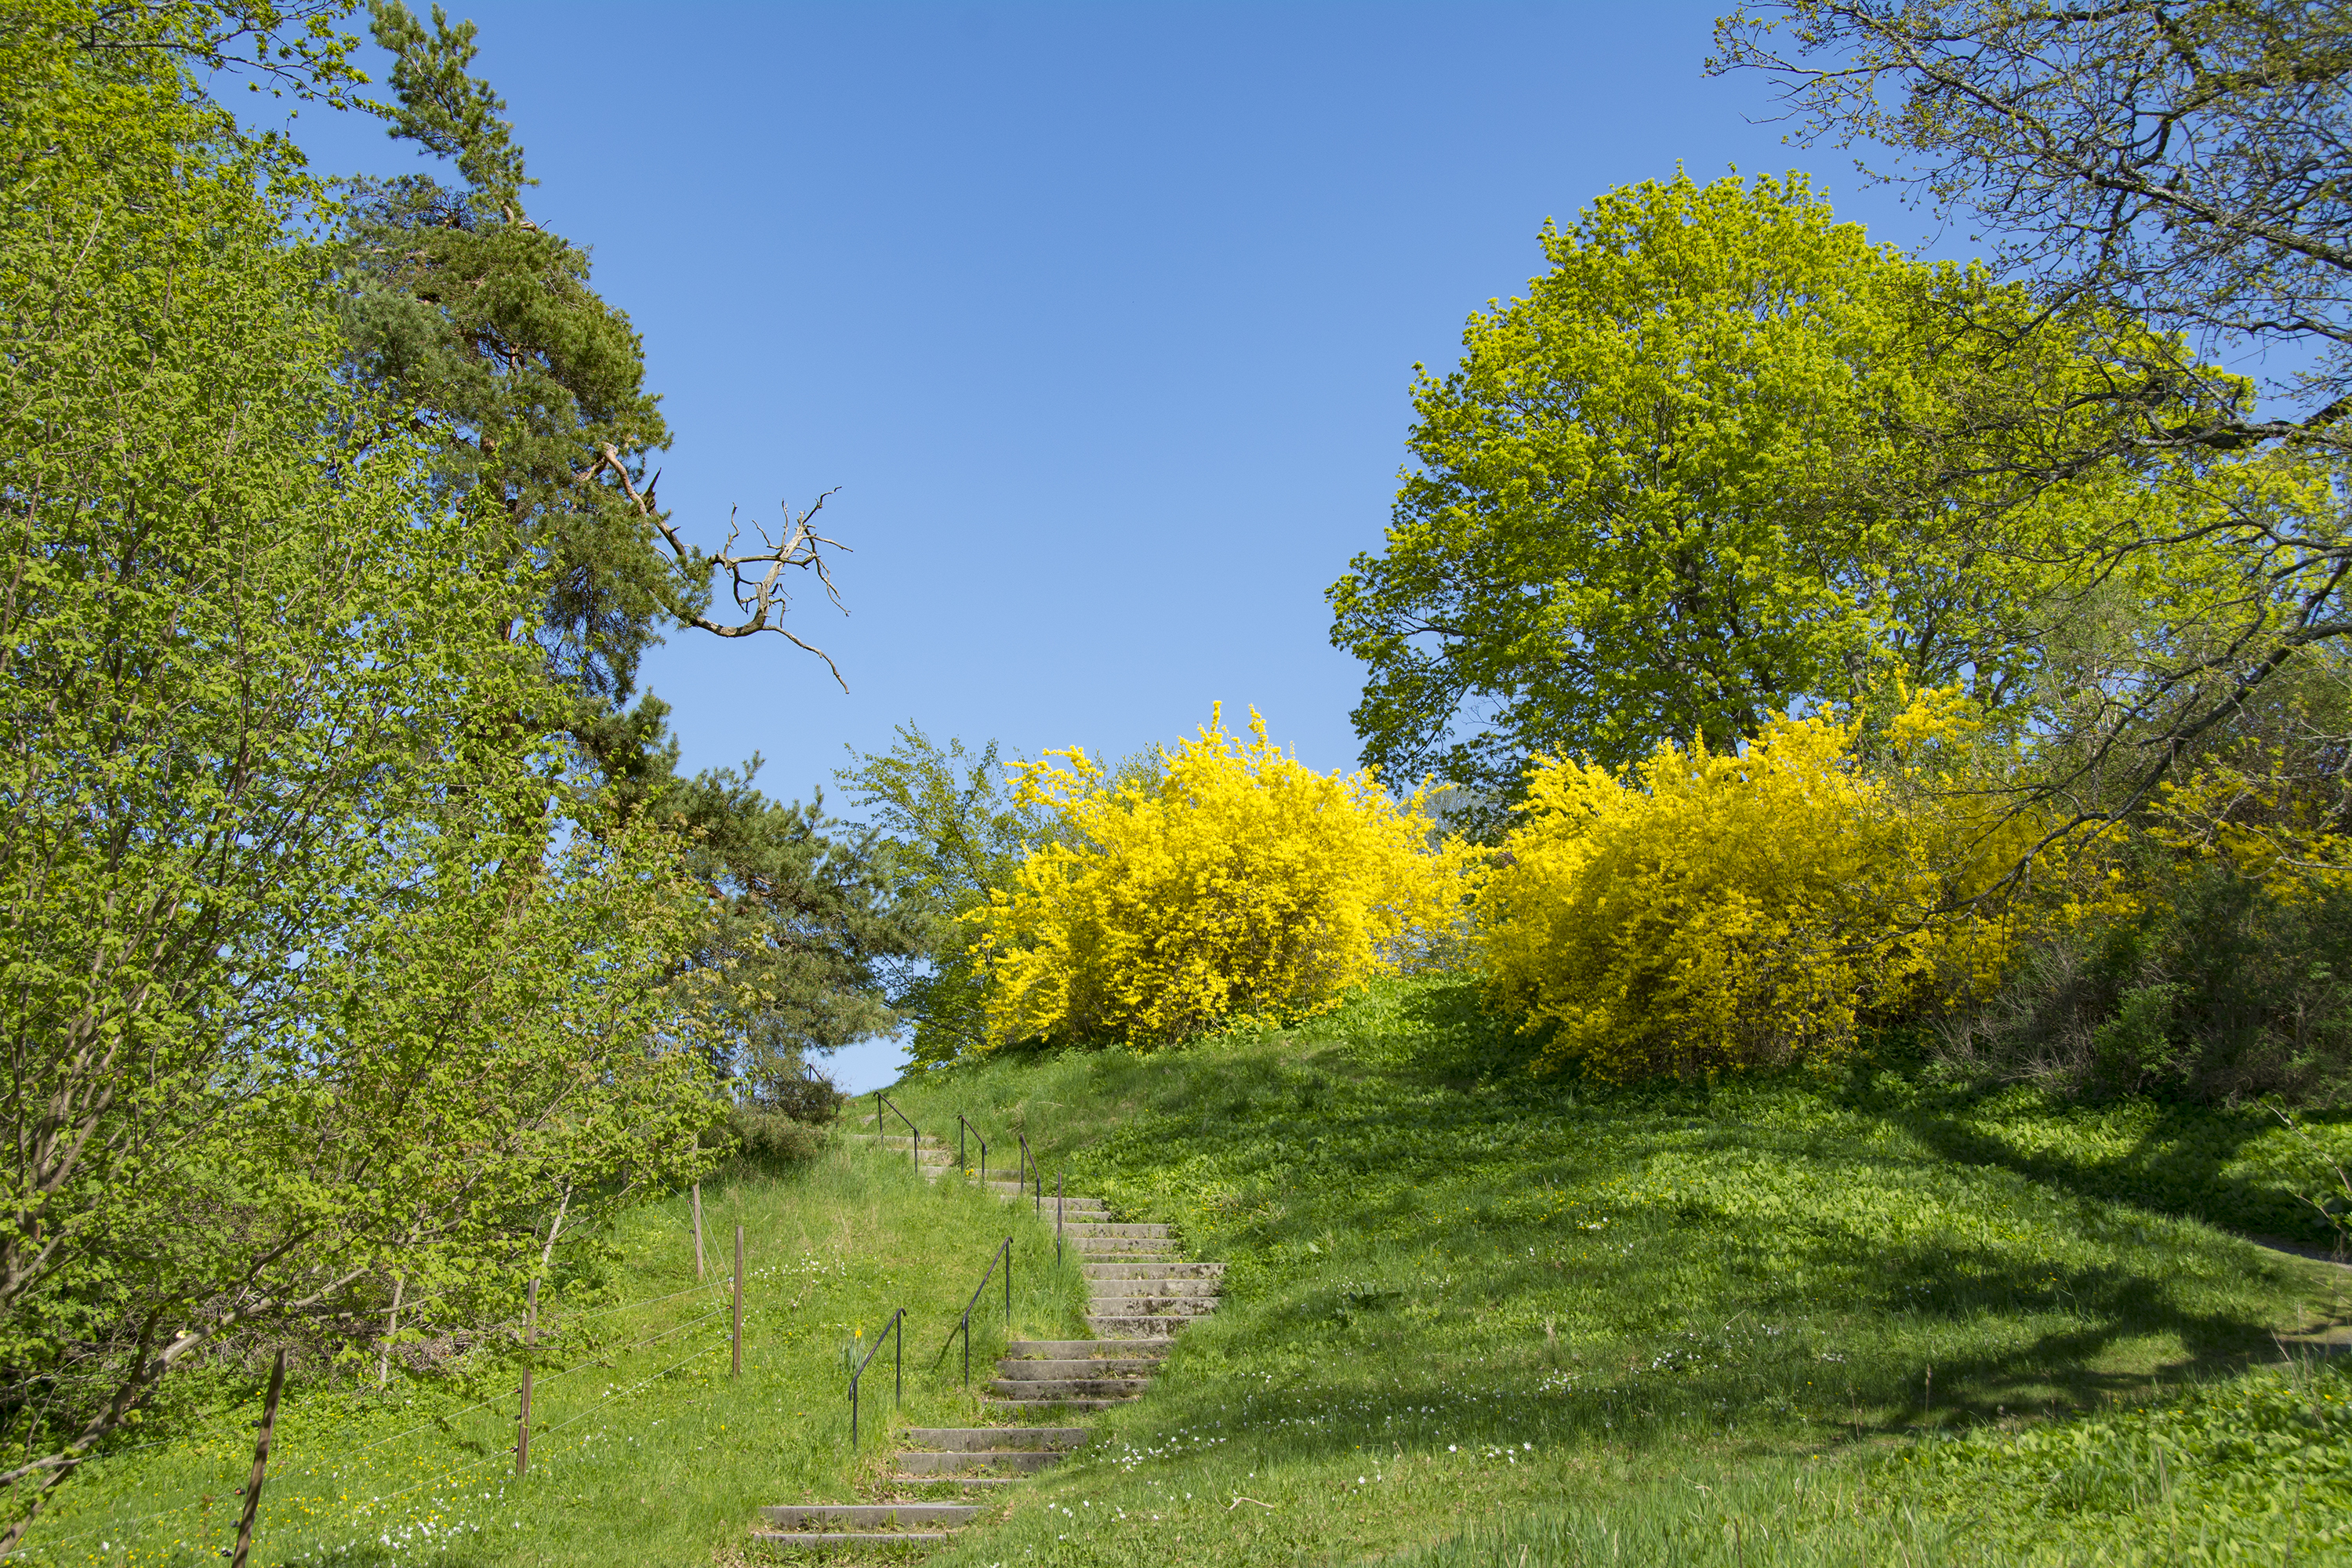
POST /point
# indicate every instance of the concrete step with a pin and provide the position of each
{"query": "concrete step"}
(969, 1483)
(1156, 1326)
(1167, 1270)
(1101, 1227)
(1140, 1246)
(1153, 1306)
(975, 1461)
(812, 1539)
(1058, 1388)
(870, 1515)
(1147, 1285)
(931, 1156)
(966, 1439)
(1076, 1349)
(1039, 1406)
(1020, 1368)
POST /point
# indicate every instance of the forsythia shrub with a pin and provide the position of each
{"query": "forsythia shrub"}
(1238, 885)
(1708, 911)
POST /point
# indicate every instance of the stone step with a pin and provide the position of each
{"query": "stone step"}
(870, 1515)
(904, 1140)
(1059, 1388)
(1156, 1326)
(1069, 1349)
(1147, 1285)
(969, 1483)
(808, 1539)
(1099, 1227)
(1153, 1306)
(1145, 1247)
(995, 1439)
(1021, 1368)
(1040, 1406)
(1168, 1270)
(974, 1461)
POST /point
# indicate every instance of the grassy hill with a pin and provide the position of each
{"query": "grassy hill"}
(1473, 1318)
(1461, 1298)
(645, 1451)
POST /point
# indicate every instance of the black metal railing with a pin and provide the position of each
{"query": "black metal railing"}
(1004, 1254)
(1031, 1170)
(1057, 1216)
(878, 1104)
(895, 1327)
(963, 1127)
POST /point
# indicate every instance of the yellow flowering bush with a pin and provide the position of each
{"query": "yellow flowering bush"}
(1237, 884)
(1708, 911)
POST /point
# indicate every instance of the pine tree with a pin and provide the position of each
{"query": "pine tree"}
(526, 384)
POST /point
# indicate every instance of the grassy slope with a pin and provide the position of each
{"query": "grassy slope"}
(635, 1458)
(1684, 1314)
(1459, 1297)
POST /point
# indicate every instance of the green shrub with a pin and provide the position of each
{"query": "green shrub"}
(2227, 990)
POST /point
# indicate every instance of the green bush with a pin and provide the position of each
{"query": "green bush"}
(2225, 992)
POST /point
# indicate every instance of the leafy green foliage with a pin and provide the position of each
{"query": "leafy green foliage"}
(643, 1449)
(303, 996)
(1640, 508)
(2224, 991)
(2170, 167)
(804, 935)
(529, 388)
(522, 374)
(954, 831)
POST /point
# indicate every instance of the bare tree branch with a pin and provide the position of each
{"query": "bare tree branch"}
(755, 574)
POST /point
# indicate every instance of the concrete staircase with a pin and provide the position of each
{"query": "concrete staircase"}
(1140, 1290)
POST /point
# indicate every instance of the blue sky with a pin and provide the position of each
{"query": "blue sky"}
(1102, 317)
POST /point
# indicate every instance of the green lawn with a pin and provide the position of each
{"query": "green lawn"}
(1462, 1299)
(647, 1452)
(1473, 1318)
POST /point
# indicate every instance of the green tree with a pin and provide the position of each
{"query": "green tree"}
(1658, 498)
(529, 388)
(1703, 472)
(806, 940)
(2174, 162)
(301, 989)
(954, 831)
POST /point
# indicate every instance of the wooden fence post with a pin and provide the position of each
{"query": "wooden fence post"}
(698, 1230)
(260, 1461)
(737, 1370)
(522, 1421)
(391, 1327)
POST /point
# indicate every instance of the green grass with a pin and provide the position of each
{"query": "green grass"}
(647, 1452)
(1485, 1294)
(1472, 1317)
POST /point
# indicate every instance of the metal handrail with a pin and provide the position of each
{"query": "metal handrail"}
(898, 1321)
(1004, 1252)
(878, 1104)
(1028, 1166)
(1057, 1216)
(963, 1126)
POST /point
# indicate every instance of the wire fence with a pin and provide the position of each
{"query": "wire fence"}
(237, 1416)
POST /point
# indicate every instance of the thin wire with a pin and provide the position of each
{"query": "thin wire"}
(559, 1426)
(632, 1306)
(205, 1424)
(551, 1377)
